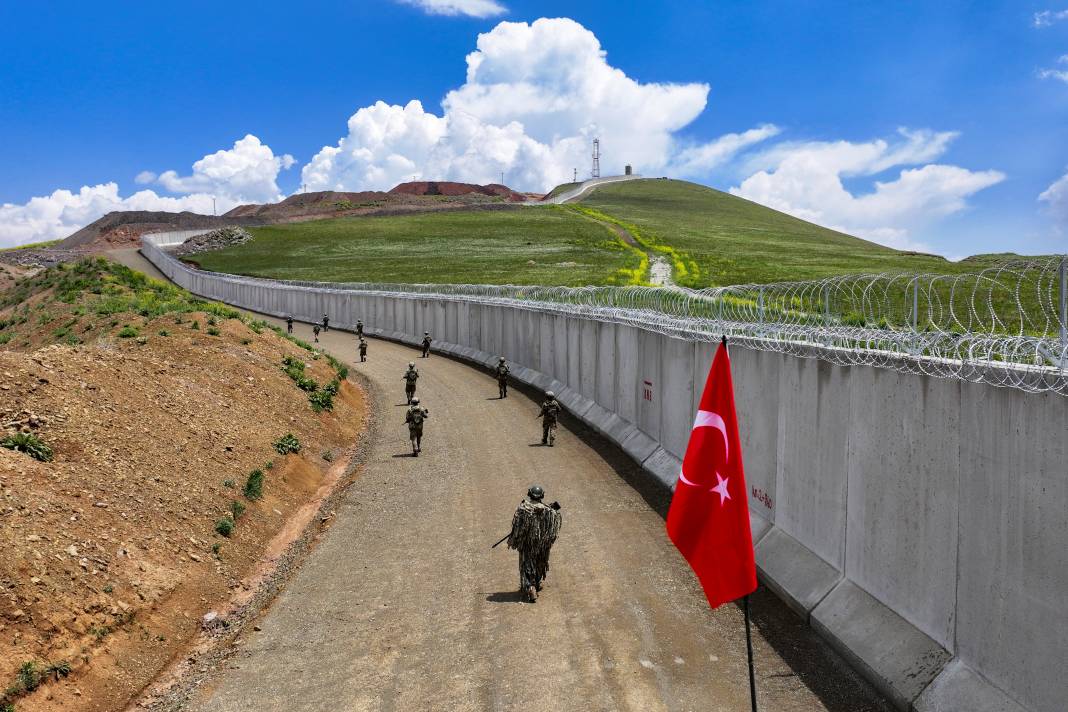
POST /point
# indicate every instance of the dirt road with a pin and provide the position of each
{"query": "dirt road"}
(403, 606)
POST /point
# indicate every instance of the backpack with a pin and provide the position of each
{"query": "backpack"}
(415, 416)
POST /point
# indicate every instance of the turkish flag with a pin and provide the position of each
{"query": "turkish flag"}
(709, 516)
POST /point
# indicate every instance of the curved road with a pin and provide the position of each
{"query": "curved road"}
(403, 606)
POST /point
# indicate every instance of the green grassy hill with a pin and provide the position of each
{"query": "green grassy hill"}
(536, 245)
(712, 238)
(732, 240)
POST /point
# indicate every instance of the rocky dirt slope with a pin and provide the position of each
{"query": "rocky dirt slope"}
(157, 408)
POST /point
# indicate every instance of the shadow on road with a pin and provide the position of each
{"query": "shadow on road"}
(506, 597)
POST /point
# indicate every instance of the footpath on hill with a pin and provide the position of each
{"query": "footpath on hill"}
(404, 606)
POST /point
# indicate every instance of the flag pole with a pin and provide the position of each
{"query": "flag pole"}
(749, 651)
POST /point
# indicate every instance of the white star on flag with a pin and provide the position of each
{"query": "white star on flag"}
(721, 489)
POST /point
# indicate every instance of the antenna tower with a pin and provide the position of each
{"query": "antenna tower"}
(596, 172)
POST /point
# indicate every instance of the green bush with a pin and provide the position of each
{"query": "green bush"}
(224, 526)
(164, 332)
(212, 331)
(29, 444)
(57, 670)
(286, 444)
(328, 456)
(127, 332)
(230, 484)
(196, 325)
(29, 677)
(254, 485)
(236, 510)
(321, 400)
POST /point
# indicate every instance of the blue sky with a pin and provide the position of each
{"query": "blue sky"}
(958, 109)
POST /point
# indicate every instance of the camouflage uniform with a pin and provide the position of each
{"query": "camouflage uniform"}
(326, 323)
(535, 527)
(550, 414)
(414, 418)
(426, 344)
(410, 377)
(315, 330)
(502, 378)
(363, 350)
(289, 325)
(359, 327)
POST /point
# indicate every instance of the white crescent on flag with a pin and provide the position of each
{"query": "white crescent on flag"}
(708, 419)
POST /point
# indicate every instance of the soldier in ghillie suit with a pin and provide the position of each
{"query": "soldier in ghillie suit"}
(410, 377)
(535, 527)
(426, 343)
(315, 331)
(414, 418)
(550, 415)
(326, 323)
(359, 327)
(363, 350)
(289, 325)
(502, 377)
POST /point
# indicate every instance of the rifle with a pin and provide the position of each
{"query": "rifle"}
(554, 505)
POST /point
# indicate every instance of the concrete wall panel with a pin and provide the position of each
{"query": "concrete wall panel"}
(901, 541)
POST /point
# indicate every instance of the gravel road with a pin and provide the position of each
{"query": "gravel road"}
(403, 606)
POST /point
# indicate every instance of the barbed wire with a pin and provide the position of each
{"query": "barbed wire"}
(1004, 325)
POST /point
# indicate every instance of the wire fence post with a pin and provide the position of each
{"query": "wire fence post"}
(760, 306)
(915, 304)
(1064, 308)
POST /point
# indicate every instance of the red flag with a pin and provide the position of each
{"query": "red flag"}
(709, 516)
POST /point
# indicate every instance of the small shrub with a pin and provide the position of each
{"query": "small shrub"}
(343, 372)
(286, 444)
(212, 321)
(254, 485)
(29, 677)
(215, 548)
(269, 465)
(229, 484)
(306, 384)
(196, 325)
(108, 588)
(246, 342)
(224, 526)
(212, 331)
(164, 332)
(236, 510)
(127, 332)
(142, 340)
(333, 387)
(72, 340)
(328, 456)
(45, 318)
(114, 323)
(4, 338)
(321, 400)
(29, 444)
(57, 670)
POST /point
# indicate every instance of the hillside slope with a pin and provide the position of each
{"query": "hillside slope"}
(735, 241)
(111, 549)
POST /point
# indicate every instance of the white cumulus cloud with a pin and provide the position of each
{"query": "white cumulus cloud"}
(1056, 197)
(806, 180)
(1045, 18)
(1059, 74)
(246, 173)
(471, 8)
(535, 97)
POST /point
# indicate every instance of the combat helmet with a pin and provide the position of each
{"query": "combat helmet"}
(536, 493)
(411, 364)
(550, 395)
(501, 359)
(415, 401)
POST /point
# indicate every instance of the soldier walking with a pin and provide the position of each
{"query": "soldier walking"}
(502, 378)
(315, 332)
(550, 414)
(359, 328)
(426, 343)
(535, 527)
(410, 377)
(326, 323)
(363, 350)
(289, 324)
(414, 418)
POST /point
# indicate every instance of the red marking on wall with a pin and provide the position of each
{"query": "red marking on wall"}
(647, 390)
(762, 497)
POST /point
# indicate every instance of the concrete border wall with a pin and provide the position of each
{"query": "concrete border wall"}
(920, 525)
